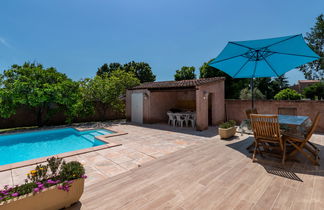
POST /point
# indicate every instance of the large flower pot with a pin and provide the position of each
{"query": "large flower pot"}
(49, 198)
(226, 133)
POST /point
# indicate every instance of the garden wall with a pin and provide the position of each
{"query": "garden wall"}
(235, 109)
(26, 117)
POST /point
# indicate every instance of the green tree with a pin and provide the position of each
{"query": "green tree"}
(315, 91)
(106, 91)
(271, 86)
(315, 40)
(288, 94)
(141, 70)
(232, 86)
(186, 72)
(246, 94)
(105, 68)
(45, 91)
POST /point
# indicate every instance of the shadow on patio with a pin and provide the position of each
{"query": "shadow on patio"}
(273, 165)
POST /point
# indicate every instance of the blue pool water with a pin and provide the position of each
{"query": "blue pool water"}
(30, 145)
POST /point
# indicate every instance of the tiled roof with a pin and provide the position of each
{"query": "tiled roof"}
(308, 81)
(178, 84)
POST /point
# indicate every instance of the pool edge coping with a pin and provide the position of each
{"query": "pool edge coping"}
(109, 144)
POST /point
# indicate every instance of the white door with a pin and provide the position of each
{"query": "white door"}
(137, 107)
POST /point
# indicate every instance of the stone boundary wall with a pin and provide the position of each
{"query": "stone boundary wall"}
(25, 117)
(235, 108)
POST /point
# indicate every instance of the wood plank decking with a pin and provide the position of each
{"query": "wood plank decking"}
(212, 175)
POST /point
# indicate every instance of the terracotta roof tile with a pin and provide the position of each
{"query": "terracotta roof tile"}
(178, 84)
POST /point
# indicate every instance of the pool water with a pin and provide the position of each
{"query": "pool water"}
(30, 145)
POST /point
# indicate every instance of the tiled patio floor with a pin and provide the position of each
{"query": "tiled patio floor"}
(140, 145)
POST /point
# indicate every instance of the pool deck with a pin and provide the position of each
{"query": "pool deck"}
(160, 167)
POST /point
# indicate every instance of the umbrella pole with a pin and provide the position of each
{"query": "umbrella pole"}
(252, 95)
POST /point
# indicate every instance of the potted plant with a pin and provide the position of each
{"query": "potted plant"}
(54, 185)
(227, 129)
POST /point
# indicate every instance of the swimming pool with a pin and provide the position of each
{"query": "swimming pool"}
(30, 145)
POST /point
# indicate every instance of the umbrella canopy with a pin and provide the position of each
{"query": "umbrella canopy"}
(264, 57)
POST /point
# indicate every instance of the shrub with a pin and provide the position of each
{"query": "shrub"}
(315, 91)
(71, 170)
(288, 94)
(228, 124)
(245, 94)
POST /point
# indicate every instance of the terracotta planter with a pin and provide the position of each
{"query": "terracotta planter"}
(226, 133)
(49, 198)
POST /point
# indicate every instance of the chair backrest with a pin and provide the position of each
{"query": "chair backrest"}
(248, 112)
(313, 127)
(170, 115)
(266, 127)
(178, 117)
(287, 110)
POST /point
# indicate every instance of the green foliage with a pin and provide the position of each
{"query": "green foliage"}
(270, 87)
(141, 70)
(315, 40)
(246, 94)
(108, 69)
(315, 91)
(54, 164)
(186, 72)
(288, 94)
(106, 91)
(232, 86)
(71, 170)
(45, 91)
(229, 124)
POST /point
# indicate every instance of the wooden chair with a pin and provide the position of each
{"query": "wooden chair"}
(303, 144)
(248, 112)
(287, 110)
(267, 134)
(245, 126)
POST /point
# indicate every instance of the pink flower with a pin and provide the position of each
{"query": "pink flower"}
(14, 194)
(84, 176)
(36, 190)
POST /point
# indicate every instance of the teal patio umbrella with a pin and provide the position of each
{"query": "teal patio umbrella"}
(264, 57)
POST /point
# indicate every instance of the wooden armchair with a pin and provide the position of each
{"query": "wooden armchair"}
(303, 144)
(267, 134)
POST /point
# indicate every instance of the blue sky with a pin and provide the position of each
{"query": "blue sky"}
(78, 36)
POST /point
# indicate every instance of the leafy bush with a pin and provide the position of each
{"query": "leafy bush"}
(245, 94)
(315, 91)
(228, 124)
(288, 94)
(71, 170)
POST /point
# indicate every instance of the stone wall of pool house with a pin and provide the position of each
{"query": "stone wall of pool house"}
(235, 109)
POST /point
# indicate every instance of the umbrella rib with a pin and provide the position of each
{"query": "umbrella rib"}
(282, 41)
(213, 62)
(293, 54)
(270, 66)
(241, 45)
(241, 68)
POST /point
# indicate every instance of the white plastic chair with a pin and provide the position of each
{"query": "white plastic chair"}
(192, 120)
(180, 120)
(172, 119)
(187, 118)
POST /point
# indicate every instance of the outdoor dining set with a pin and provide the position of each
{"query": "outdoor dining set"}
(282, 135)
(187, 118)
